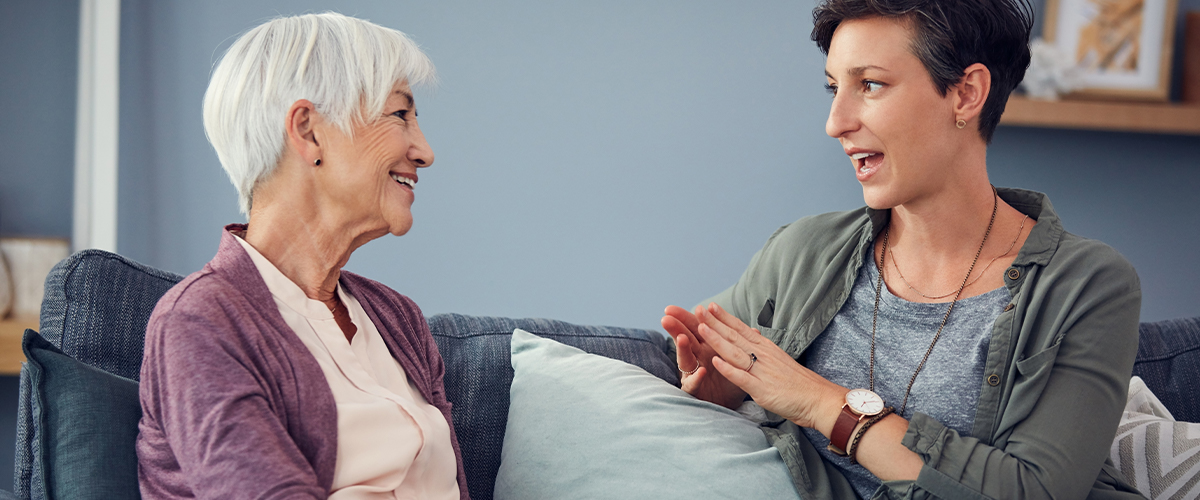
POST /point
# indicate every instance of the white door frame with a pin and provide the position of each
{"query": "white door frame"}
(97, 116)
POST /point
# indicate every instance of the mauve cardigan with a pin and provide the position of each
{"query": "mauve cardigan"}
(233, 403)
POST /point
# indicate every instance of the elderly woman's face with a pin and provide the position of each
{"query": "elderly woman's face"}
(373, 174)
(887, 114)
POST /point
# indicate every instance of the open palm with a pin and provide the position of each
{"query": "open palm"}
(692, 353)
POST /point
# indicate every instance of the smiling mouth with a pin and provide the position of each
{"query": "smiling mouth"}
(404, 180)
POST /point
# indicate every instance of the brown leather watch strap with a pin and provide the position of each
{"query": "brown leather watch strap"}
(842, 429)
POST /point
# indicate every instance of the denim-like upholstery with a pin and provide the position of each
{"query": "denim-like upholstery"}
(95, 310)
(96, 306)
(479, 373)
(1168, 360)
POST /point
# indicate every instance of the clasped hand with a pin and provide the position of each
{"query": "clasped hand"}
(717, 348)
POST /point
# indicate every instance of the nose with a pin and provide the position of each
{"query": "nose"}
(419, 152)
(843, 116)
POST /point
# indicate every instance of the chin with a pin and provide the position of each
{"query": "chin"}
(877, 198)
(401, 229)
(398, 221)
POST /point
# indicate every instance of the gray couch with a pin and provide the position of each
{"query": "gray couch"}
(95, 312)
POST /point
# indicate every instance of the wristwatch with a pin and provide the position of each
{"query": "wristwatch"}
(860, 404)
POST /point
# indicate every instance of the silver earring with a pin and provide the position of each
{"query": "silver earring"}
(318, 162)
(960, 124)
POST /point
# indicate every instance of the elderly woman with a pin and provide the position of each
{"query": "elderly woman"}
(270, 372)
(950, 340)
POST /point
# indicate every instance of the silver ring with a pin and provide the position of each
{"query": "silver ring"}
(753, 359)
(693, 369)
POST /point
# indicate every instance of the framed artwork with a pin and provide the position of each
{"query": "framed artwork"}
(1122, 47)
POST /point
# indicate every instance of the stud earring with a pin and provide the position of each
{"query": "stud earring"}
(318, 162)
(960, 124)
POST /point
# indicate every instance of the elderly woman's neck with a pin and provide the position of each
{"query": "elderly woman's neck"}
(307, 250)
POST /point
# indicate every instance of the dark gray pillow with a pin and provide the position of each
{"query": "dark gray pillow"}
(479, 374)
(86, 425)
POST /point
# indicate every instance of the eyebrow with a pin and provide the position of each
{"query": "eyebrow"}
(407, 95)
(858, 70)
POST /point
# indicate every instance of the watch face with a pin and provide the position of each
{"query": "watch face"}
(864, 402)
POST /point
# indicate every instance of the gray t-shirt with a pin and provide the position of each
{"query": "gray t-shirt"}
(947, 388)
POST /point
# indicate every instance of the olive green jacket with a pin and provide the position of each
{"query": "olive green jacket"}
(1055, 378)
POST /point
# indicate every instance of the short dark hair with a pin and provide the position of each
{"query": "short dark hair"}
(948, 36)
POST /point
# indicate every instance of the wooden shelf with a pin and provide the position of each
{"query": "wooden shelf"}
(11, 355)
(1159, 118)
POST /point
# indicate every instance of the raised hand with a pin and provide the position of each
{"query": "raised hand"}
(760, 368)
(694, 358)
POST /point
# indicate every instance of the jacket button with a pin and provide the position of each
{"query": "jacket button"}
(1008, 307)
(993, 380)
(1013, 273)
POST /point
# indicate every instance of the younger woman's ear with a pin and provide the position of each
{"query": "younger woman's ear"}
(971, 92)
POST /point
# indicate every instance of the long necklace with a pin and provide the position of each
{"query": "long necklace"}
(896, 266)
(879, 288)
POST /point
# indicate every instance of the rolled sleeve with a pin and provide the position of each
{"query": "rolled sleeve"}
(929, 438)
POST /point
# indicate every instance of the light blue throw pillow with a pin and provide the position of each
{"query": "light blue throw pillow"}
(583, 426)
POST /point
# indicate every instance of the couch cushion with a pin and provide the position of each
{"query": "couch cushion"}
(95, 309)
(479, 373)
(86, 423)
(586, 426)
(1168, 360)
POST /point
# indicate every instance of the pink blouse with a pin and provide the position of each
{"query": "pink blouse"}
(391, 443)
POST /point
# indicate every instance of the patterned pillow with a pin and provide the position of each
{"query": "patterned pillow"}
(1158, 455)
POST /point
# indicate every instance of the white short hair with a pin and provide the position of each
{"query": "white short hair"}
(345, 66)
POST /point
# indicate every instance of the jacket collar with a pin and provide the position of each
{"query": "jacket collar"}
(233, 264)
(1043, 239)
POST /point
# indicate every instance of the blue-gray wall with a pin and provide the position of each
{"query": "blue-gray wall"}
(38, 46)
(597, 161)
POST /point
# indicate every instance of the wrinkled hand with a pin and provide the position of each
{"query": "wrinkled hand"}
(694, 354)
(776, 381)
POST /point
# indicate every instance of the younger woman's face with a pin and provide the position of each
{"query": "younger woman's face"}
(897, 129)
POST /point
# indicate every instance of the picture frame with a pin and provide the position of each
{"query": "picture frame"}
(1123, 48)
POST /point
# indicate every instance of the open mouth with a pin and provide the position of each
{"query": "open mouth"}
(407, 181)
(866, 163)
